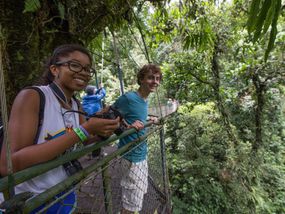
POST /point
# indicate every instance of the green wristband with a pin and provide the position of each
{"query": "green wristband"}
(80, 134)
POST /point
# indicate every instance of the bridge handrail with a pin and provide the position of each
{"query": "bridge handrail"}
(77, 177)
(31, 172)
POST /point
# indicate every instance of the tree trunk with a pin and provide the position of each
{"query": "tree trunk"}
(219, 100)
(28, 41)
(259, 90)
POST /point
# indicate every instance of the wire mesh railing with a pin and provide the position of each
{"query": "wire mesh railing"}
(97, 185)
(91, 198)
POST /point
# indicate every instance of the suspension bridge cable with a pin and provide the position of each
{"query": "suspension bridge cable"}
(129, 56)
(146, 53)
(102, 59)
(4, 115)
(133, 34)
(116, 52)
(142, 35)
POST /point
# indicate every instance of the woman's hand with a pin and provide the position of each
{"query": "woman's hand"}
(102, 127)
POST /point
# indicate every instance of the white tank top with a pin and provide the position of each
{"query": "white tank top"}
(54, 124)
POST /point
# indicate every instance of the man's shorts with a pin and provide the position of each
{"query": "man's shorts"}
(134, 184)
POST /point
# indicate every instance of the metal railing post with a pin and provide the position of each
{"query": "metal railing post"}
(164, 169)
(107, 190)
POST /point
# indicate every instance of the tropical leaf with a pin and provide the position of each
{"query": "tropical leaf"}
(273, 31)
(31, 5)
(254, 8)
(269, 17)
(61, 10)
(260, 20)
(264, 14)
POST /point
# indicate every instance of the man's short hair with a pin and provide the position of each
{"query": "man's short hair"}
(155, 69)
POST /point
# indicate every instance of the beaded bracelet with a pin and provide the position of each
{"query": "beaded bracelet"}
(80, 134)
(84, 131)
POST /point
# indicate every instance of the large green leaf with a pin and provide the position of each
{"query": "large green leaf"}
(254, 8)
(273, 31)
(32, 5)
(61, 10)
(262, 15)
(260, 20)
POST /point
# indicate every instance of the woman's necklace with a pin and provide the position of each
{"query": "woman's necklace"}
(58, 92)
(64, 105)
(68, 119)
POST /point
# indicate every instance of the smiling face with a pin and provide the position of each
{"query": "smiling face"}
(149, 77)
(150, 82)
(68, 80)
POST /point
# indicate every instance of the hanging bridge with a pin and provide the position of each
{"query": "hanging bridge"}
(98, 184)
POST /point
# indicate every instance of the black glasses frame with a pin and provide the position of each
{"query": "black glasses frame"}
(88, 70)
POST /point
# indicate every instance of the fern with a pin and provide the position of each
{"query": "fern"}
(31, 5)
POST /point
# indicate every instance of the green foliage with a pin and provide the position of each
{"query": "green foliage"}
(209, 176)
(264, 13)
(61, 10)
(208, 173)
(201, 172)
(31, 5)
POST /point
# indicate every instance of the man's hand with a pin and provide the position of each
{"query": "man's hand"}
(138, 125)
(153, 119)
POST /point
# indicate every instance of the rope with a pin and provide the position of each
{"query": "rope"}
(133, 34)
(102, 60)
(4, 114)
(141, 33)
(129, 55)
(120, 75)
(145, 52)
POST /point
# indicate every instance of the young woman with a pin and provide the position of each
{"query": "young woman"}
(68, 70)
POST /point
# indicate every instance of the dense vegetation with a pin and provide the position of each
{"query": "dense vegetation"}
(225, 65)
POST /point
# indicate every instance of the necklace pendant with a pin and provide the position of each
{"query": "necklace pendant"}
(69, 128)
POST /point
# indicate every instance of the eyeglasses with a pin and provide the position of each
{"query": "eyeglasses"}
(77, 67)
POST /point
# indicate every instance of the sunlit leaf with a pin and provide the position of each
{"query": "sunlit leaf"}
(61, 10)
(260, 19)
(31, 6)
(253, 15)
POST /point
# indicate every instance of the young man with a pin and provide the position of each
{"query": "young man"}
(134, 108)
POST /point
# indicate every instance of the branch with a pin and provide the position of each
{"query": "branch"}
(200, 80)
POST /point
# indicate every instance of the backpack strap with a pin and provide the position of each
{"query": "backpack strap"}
(77, 102)
(42, 110)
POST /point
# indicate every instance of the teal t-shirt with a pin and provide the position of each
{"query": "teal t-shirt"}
(133, 108)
